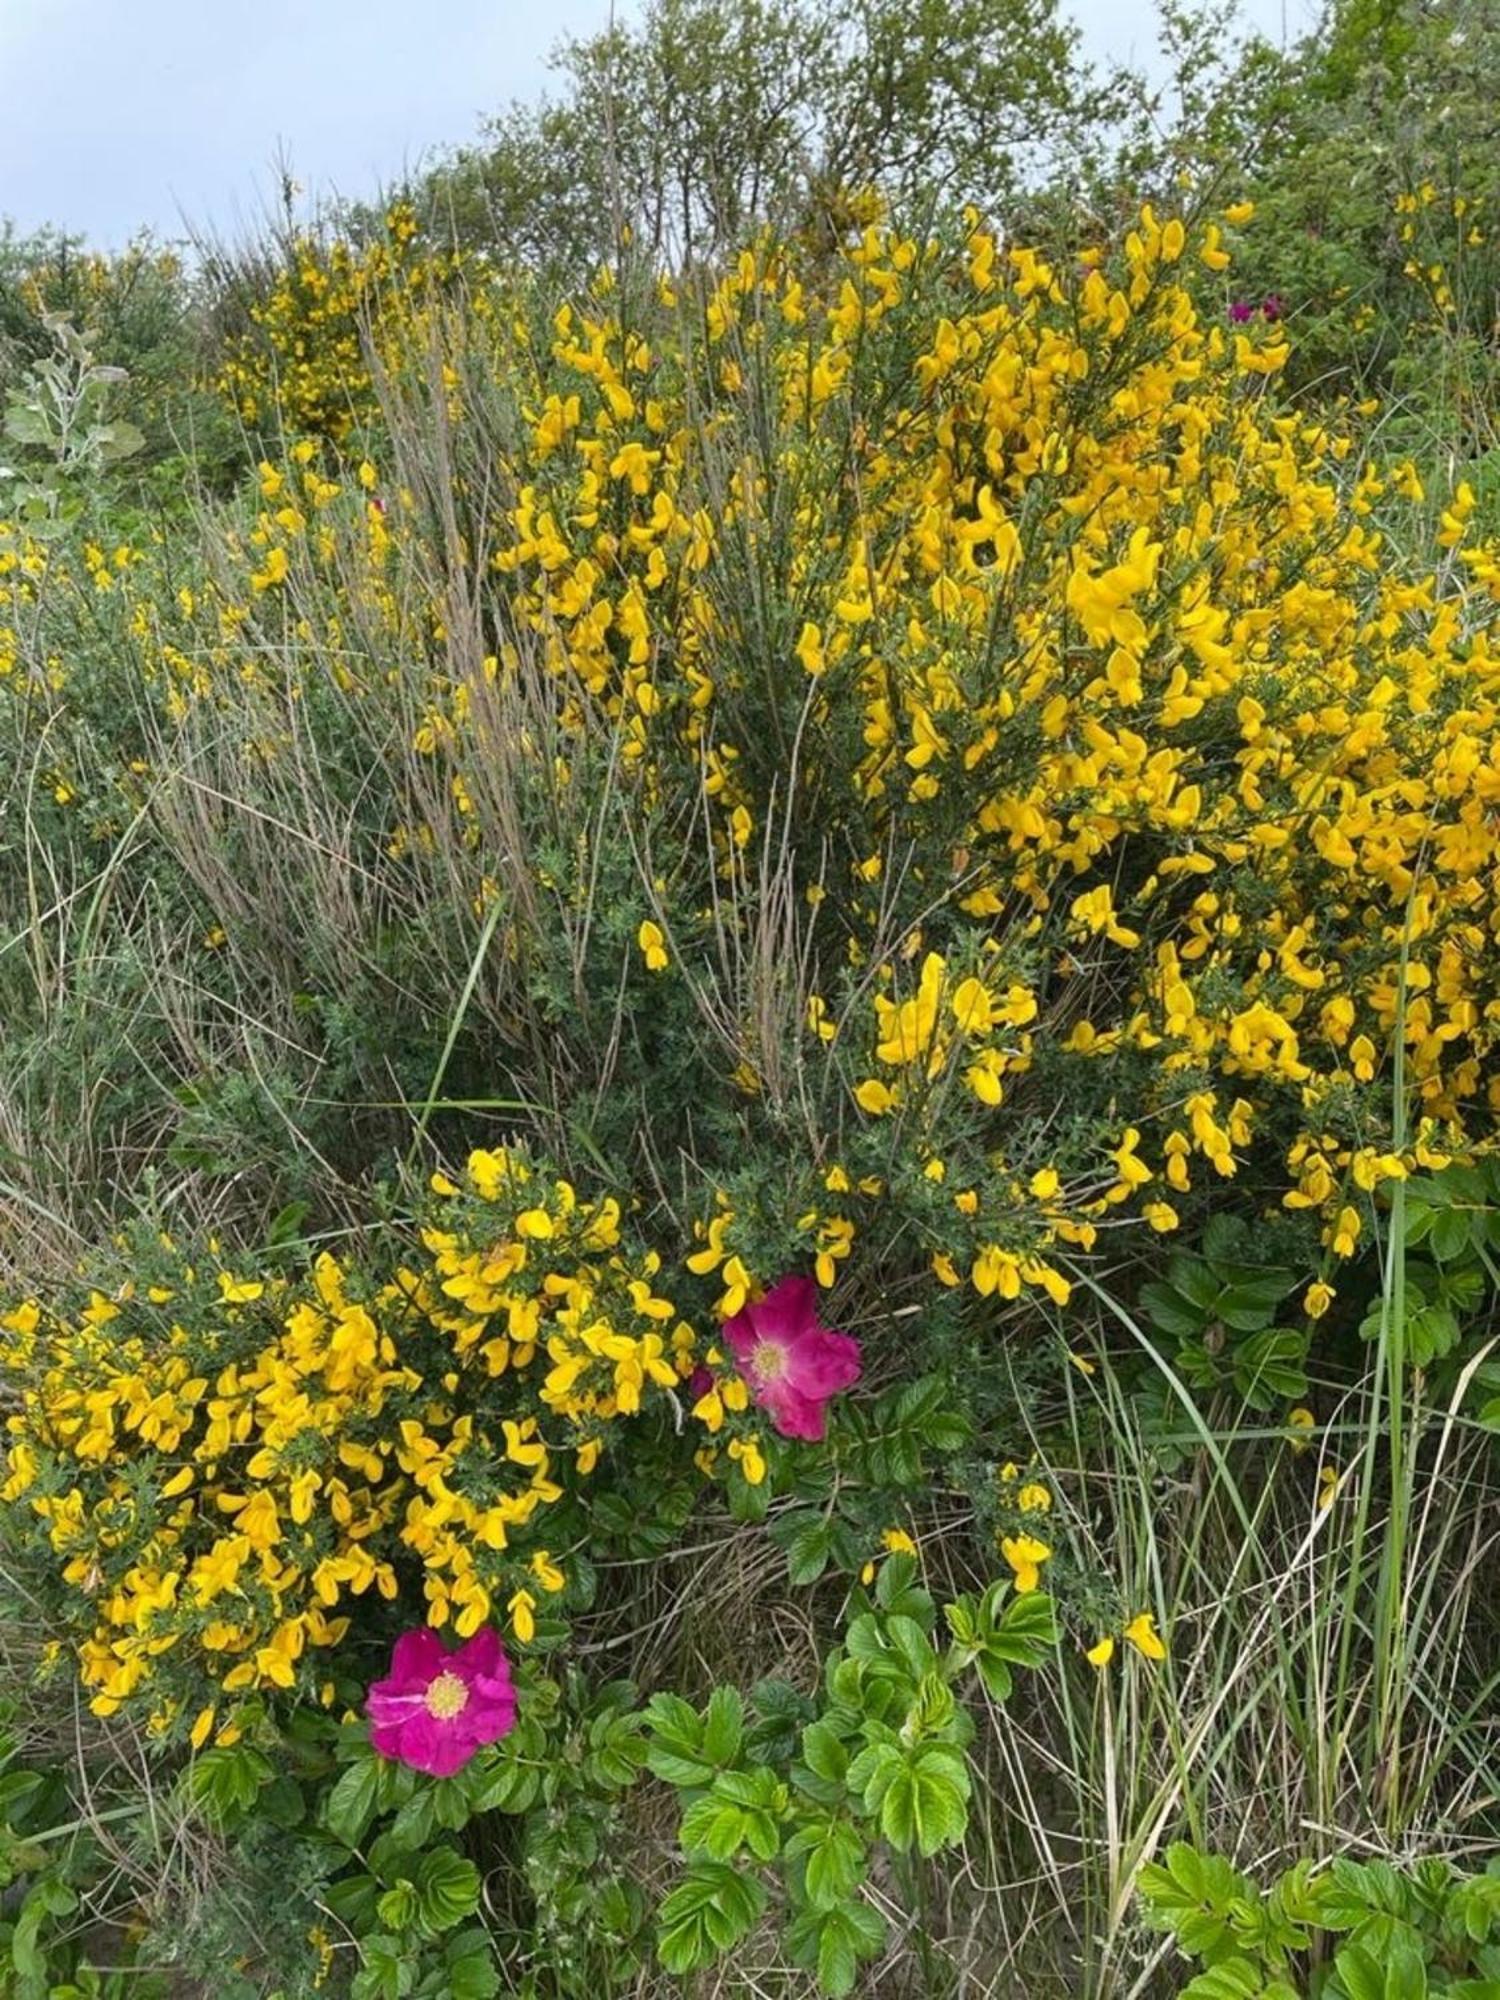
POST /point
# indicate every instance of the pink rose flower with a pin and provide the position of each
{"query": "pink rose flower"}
(792, 1364)
(436, 1708)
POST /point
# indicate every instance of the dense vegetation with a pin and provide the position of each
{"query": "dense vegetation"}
(749, 971)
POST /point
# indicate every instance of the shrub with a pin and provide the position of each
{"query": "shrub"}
(912, 771)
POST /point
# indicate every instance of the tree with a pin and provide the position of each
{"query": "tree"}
(711, 116)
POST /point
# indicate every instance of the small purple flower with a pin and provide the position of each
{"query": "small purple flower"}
(1241, 311)
(1272, 307)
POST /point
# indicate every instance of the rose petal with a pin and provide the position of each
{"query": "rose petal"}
(483, 1654)
(788, 1309)
(419, 1656)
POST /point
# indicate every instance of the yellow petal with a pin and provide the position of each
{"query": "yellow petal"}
(1143, 1635)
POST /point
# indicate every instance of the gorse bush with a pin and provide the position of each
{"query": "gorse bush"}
(746, 1139)
(325, 1422)
(332, 313)
(855, 723)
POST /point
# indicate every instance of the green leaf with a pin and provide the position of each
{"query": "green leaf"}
(1231, 1979)
(1223, 1236)
(447, 1888)
(226, 1781)
(824, 1753)
(26, 424)
(1243, 1311)
(1362, 1975)
(351, 1804)
(1270, 1367)
(353, 1900)
(388, 1970)
(932, 1710)
(674, 1750)
(707, 1913)
(1431, 1333)
(723, 1726)
(925, 1803)
(898, 1591)
(47, 1898)
(834, 1858)
(832, 1942)
(1027, 1630)
(907, 1638)
(397, 1908)
(1168, 1310)
(470, 1967)
(1450, 1234)
(741, 1810)
(1195, 1896)
(286, 1223)
(808, 1553)
(413, 1825)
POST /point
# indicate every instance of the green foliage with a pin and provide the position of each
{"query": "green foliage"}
(1369, 154)
(254, 962)
(1217, 1308)
(56, 414)
(405, 1852)
(702, 120)
(1449, 1274)
(1379, 1932)
(878, 1762)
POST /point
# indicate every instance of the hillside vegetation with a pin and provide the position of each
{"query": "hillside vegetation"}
(750, 966)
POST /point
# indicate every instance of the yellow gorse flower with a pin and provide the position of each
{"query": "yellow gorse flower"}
(315, 1437)
(1141, 1633)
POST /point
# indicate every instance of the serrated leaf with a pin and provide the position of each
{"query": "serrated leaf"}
(351, 1804)
(397, 1908)
(1167, 1309)
(412, 1827)
(808, 1553)
(824, 1753)
(1231, 1979)
(712, 1909)
(1269, 1368)
(834, 1860)
(1450, 1235)
(674, 1750)
(470, 1967)
(723, 1726)
(907, 1638)
(1365, 1975)
(1027, 1629)
(925, 1803)
(386, 1970)
(228, 1779)
(447, 1888)
(1223, 1235)
(353, 1900)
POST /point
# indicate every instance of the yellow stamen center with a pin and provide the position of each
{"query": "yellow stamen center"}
(768, 1360)
(447, 1696)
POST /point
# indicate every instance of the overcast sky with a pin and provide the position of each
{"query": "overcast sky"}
(124, 113)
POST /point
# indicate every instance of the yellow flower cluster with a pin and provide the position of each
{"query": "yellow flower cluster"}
(1122, 763)
(335, 311)
(1152, 779)
(23, 565)
(221, 1468)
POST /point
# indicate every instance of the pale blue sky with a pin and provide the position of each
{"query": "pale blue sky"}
(120, 113)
